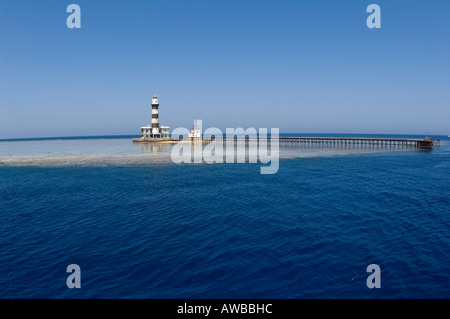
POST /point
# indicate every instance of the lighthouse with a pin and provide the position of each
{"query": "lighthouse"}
(155, 131)
(155, 113)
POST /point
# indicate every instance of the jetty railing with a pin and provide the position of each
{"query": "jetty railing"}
(361, 142)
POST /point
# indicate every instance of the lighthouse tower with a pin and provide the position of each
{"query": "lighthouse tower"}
(155, 113)
(154, 131)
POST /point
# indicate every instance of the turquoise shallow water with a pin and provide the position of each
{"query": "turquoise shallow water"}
(141, 227)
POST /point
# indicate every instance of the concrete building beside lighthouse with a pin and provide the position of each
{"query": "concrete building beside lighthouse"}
(154, 130)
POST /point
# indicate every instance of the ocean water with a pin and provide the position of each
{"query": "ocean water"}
(140, 226)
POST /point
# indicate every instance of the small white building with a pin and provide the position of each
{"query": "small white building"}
(155, 131)
(196, 132)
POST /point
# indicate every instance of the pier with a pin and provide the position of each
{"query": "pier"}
(161, 134)
(356, 142)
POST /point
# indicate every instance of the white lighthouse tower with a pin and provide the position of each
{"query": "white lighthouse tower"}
(155, 131)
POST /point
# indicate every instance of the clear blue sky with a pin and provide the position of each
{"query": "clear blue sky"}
(302, 66)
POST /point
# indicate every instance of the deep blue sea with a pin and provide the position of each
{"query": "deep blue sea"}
(160, 230)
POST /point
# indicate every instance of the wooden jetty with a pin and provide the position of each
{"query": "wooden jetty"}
(361, 142)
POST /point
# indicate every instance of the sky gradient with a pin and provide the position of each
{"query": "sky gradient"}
(301, 66)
